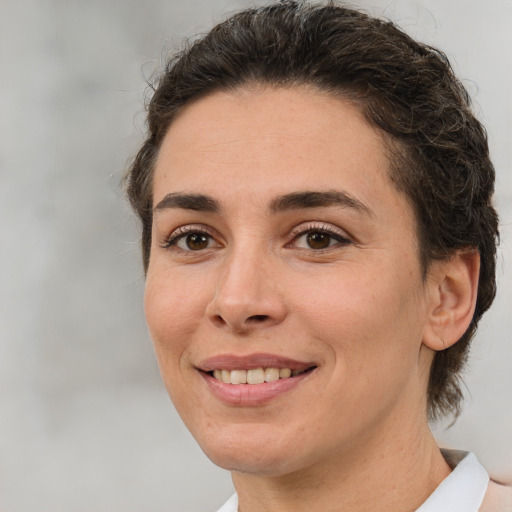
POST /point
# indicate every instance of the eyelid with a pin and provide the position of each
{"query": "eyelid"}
(322, 227)
(182, 231)
(298, 231)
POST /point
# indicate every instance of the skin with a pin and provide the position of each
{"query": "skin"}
(353, 434)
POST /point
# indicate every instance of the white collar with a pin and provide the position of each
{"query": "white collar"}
(461, 491)
(231, 505)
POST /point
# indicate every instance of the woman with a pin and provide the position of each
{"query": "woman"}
(319, 243)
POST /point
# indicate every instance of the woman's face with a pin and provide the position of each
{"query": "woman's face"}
(280, 244)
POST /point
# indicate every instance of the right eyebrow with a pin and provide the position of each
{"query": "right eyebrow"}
(197, 202)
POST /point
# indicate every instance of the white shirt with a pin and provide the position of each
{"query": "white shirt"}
(461, 491)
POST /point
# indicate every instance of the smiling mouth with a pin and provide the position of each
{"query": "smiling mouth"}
(257, 375)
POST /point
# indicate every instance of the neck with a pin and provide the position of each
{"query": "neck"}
(395, 472)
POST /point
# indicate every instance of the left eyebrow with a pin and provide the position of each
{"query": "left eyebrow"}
(317, 199)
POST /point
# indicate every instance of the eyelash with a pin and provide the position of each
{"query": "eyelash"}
(184, 231)
(300, 231)
(338, 236)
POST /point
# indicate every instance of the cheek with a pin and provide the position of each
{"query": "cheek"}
(172, 313)
(366, 316)
(372, 327)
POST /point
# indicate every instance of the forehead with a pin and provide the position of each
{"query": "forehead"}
(255, 140)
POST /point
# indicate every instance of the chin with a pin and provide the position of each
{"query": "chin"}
(264, 456)
(252, 463)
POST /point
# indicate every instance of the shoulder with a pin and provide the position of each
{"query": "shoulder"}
(498, 498)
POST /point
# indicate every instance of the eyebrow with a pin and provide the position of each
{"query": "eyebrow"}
(293, 201)
(316, 199)
(197, 202)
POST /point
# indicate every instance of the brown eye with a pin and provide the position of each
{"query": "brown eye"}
(197, 241)
(191, 239)
(318, 240)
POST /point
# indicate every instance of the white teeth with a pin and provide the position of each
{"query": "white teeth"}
(238, 377)
(271, 374)
(255, 376)
(284, 373)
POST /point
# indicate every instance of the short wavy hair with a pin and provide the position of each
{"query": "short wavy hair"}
(438, 150)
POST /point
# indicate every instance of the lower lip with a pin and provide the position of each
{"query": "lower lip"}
(250, 395)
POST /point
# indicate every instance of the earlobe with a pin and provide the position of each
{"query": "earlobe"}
(452, 291)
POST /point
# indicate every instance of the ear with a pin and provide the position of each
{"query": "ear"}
(452, 290)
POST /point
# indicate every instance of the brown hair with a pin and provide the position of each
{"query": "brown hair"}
(439, 151)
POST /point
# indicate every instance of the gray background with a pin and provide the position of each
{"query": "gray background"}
(85, 424)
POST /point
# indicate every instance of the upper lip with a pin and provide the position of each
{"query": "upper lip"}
(251, 361)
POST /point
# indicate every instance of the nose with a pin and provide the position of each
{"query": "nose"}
(247, 295)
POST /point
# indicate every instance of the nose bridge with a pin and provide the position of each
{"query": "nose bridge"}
(246, 293)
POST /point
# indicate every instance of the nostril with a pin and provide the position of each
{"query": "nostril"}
(257, 318)
(218, 320)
